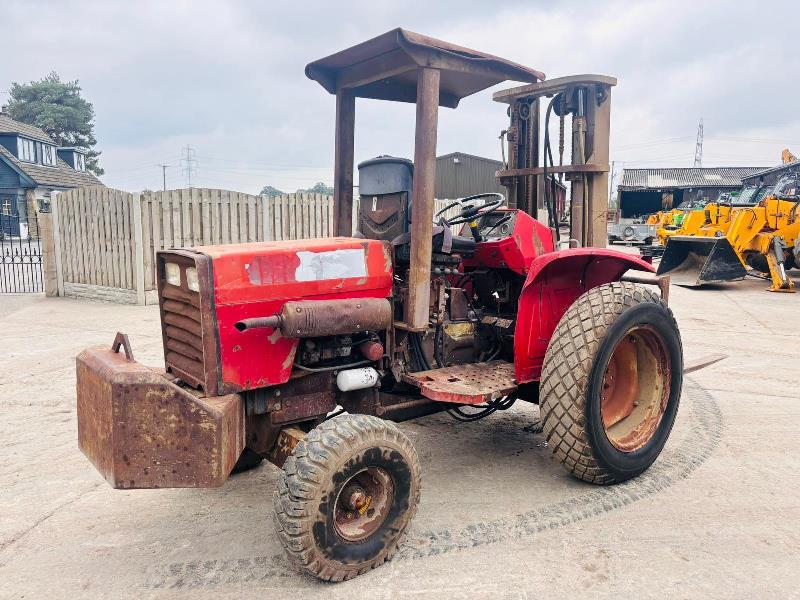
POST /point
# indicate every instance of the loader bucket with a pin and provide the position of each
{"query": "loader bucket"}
(692, 261)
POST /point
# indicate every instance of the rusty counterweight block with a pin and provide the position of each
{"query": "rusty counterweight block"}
(141, 430)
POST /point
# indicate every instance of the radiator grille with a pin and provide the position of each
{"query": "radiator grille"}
(183, 337)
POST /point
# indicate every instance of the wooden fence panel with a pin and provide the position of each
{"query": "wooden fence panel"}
(80, 221)
(126, 200)
(107, 250)
(147, 243)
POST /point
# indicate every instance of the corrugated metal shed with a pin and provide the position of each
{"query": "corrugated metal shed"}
(459, 174)
(685, 178)
(771, 175)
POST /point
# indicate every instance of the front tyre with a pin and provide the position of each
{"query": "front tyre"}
(611, 382)
(346, 495)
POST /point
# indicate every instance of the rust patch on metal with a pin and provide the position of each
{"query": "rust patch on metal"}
(636, 387)
(318, 318)
(302, 407)
(465, 384)
(141, 430)
(288, 438)
(387, 256)
(187, 321)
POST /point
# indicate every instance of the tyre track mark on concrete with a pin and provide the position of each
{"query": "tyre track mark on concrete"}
(20, 535)
(702, 438)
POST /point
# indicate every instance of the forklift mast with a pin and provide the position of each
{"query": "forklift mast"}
(530, 173)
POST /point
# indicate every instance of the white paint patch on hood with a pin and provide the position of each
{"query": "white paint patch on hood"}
(332, 264)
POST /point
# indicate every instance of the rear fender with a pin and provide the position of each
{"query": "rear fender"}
(554, 282)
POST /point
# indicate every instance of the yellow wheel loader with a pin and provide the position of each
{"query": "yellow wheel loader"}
(663, 217)
(675, 221)
(759, 240)
(715, 218)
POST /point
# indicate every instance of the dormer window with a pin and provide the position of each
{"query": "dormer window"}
(48, 155)
(80, 162)
(27, 150)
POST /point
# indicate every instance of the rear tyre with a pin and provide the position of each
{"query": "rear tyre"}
(346, 495)
(611, 382)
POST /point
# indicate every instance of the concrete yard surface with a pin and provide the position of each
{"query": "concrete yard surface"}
(715, 517)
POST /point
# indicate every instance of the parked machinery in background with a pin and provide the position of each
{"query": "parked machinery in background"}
(631, 231)
(304, 352)
(731, 243)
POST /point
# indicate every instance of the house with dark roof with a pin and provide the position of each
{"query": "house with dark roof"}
(31, 168)
(646, 191)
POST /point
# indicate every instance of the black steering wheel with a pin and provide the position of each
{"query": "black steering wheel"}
(470, 211)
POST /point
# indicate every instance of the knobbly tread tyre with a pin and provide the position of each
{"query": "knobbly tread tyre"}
(308, 480)
(567, 369)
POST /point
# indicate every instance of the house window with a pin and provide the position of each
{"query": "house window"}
(27, 150)
(5, 207)
(80, 162)
(48, 155)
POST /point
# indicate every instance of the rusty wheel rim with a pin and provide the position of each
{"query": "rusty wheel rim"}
(363, 504)
(635, 389)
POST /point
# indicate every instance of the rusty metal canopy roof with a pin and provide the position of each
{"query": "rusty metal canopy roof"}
(385, 68)
(684, 178)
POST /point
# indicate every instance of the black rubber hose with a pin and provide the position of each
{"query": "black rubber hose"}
(416, 343)
(360, 363)
(437, 346)
(548, 185)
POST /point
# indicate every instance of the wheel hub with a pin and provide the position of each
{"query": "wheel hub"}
(635, 389)
(363, 504)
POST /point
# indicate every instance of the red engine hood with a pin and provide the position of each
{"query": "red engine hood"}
(256, 279)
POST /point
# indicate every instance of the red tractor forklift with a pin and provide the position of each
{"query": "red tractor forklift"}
(307, 352)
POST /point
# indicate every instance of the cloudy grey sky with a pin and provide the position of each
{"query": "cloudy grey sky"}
(227, 78)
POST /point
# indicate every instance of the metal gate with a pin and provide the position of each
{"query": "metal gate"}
(20, 253)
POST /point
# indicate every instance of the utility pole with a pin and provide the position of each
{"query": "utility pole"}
(698, 149)
(611, 182)
(164, 175)
(188, 164)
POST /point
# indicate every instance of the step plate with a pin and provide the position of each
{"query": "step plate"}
(474, 383)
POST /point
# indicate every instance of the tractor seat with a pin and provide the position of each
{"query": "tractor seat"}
(458, 244)
(444, 242)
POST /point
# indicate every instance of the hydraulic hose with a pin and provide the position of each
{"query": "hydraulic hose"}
(548, 186)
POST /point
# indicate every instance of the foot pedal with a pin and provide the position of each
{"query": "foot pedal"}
(473, 383)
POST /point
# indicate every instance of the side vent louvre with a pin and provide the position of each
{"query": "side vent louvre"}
(187, 319)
